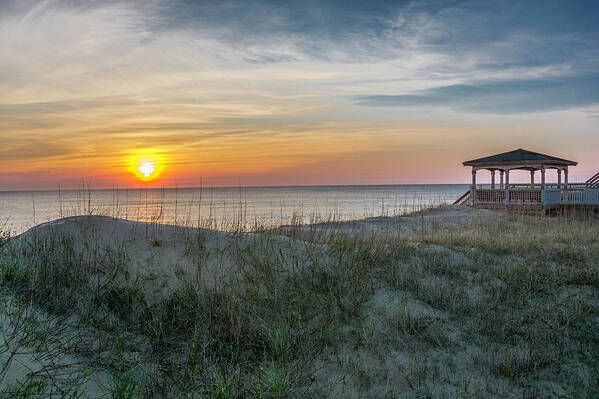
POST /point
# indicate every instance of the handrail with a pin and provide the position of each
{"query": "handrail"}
(463, 197)
(593, 181)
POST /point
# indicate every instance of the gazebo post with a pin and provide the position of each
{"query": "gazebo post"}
(559, 178)
(566, 177)
(543, 177)
(492, 178)
(507, 187)
(473, 187)
(532, 178)
(501, 179)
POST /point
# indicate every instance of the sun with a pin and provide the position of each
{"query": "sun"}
(147, 169)
(146, 166)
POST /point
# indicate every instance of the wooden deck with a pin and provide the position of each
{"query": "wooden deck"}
(520, 197)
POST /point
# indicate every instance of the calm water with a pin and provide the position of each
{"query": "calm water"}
(225, 208)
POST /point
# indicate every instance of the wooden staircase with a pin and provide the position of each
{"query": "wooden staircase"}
(464, 199)
(593, 181)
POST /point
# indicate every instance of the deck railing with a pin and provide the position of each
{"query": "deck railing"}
(585, 196)
(552, 196)
(547, 196)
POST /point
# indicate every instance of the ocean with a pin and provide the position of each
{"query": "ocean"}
(228, 208)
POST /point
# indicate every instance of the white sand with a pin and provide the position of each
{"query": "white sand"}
(27, 352)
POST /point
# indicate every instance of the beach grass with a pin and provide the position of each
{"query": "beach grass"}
(489, 305)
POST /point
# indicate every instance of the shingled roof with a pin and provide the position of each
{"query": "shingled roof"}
(519, 156)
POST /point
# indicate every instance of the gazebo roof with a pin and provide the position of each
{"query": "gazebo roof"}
(519, 156)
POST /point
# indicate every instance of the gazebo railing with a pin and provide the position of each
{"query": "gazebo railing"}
(525, 196)
(516, 195)
(489, 195)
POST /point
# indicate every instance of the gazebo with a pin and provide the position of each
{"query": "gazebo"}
(530, 196)
(524, 160)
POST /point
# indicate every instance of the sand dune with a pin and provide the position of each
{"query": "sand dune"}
(163, 257)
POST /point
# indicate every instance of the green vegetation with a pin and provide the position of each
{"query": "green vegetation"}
(495, 307)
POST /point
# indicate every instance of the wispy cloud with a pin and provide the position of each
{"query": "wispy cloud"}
(514, 96)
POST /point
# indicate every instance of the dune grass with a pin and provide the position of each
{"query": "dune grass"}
(500, 307)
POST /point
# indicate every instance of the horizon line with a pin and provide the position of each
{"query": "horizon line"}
(238, 186)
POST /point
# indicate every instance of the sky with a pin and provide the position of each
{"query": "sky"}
(251, 93)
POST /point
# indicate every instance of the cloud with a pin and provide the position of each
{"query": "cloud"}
(515, 96)
(64, 106)
(25, 150)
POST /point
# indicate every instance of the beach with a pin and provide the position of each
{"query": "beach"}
(444, 302)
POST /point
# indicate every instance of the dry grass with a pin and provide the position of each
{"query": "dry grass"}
(502, 306)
